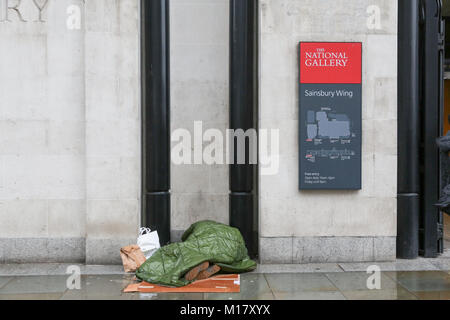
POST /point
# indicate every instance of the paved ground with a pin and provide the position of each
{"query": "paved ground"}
(255, 286)
(401, 279)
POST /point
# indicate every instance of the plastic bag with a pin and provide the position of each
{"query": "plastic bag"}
(148, 241)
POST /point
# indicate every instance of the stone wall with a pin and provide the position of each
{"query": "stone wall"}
(113, 127)
(69, 131)
(327, 226)
(199, 92)
(70, 126)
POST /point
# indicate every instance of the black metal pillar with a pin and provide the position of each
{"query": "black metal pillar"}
(243, 115)
(408, 204)
(156, 116)
(432, 92)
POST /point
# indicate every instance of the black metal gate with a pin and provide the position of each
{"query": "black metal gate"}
(420, 94)
(431, 98)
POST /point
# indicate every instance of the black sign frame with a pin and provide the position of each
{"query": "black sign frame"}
(333, 162)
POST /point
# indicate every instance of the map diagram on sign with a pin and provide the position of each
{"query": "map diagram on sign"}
(325, 125)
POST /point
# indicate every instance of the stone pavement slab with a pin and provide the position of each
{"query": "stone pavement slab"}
(35, 285)
(399, 265)
(433, 295)
(388, 294)
(422, 281)
(100, 287)
(4, 281)
(37, 269)
(306, 282)
(299, 268)
(351, 281)
(253, 287)
(31, 296)
(308, 296)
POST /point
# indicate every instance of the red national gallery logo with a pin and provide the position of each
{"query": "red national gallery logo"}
(323, 58)
(330, 62)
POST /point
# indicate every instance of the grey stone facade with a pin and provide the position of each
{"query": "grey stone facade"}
(295, 250)
(70, 130)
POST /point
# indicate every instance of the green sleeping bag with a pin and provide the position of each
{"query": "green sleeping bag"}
(203, 241)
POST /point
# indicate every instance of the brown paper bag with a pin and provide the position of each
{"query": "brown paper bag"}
(132, 258)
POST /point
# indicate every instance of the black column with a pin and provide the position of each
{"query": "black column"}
(156, 116)
(243, 115)
(408, 130)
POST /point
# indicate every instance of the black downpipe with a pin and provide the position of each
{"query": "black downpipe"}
(243, 115)
(408, 203)
(155, 70)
